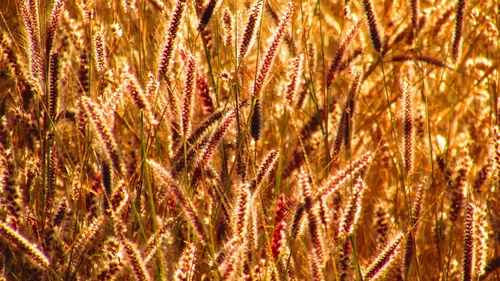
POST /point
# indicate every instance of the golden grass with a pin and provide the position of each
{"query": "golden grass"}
(249, 140)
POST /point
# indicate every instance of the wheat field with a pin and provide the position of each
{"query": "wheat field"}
(249, 140)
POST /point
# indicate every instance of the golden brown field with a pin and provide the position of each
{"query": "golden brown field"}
(249, 140)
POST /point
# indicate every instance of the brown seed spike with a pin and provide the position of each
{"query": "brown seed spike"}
(53, 84)
(207, 14)
(250, 29)
(168, 46)
(352, 211)
(372, 25)
(457, 33)
(294, 76)
(408, 126)
(100, 53)
(385, 259)
(256, 122)
(468, 243)
(272, 50)
(53, 23)
(337, 60)
(414, 13)
(29, 249)
(135, 261)
(187, 103)
(264, 170)
(227, 25)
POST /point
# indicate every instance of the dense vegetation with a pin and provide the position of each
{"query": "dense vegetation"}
(249, 140)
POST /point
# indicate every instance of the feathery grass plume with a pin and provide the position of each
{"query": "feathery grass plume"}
(135, 260)
(480, 242)
(132, 87)
(278, 237)
(372, 25)
(344, 131)
(186, 204)
(87, 235)
(156, 240)
(100, 54)
(272, 49)
(55, 15)
(8, 54)
(385, 259)
(53, 84)
(51, 179)
(96, 116)
(206, 15)
(414, 13)
(316, 267)
(168, 45)
(256, 121)
(339, 55)
(264, 171)
(250, 29)
(187, 102)
(215, 139)
(203, 92)
(227, 248)
(302, 94)
(483, 176)
(232, 262)
(458, 187)
(12, 237)
(186, 265)
(251, 238)
(304, 181)
(408, 126)
(358, 168)
(82, 118)
(417, 206)
(241, 211)
(29, 12)
(294, 76)
(297, 220)
(456, 44)
(352, 210)
(468, 253)
(227, 27)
